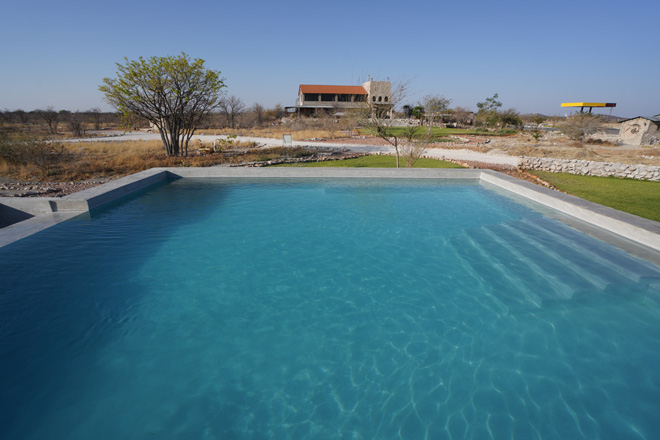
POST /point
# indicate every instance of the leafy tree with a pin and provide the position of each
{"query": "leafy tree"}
(173, 93)
(488, 113)
(418, 112)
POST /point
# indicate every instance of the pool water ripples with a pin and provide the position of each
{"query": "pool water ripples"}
(366, 309)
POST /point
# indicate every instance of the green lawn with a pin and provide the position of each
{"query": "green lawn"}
(376, 162)
(639, 197)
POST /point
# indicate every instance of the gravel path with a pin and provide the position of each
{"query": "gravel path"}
(356, 146)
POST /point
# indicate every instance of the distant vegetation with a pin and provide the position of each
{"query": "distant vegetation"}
(376, 162)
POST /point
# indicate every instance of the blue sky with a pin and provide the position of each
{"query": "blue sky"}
(534, 54)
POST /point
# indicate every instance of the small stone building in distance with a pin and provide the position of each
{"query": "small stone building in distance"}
(641, 130)
(336, 100)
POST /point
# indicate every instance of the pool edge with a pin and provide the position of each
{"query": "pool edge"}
(46, 212)
(640, 230)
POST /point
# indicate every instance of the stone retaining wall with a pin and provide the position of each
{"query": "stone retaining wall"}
(590, 168)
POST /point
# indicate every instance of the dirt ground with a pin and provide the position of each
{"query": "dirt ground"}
(600, 147)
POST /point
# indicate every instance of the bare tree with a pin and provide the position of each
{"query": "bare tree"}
(376, 121)
(76, 124)
(434, 106)
(20, 116)
(258, 111)
(463, 116)
(95, 114)
(231, 107)
(51, 117)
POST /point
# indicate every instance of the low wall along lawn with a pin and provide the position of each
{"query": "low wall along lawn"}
(591, 168)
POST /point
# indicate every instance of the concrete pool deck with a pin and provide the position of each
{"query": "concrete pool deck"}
(27, 216)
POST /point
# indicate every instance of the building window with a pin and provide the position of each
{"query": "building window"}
(328, 97)
(311, 97)
(374, 99)
(380, 98)
(386, 99)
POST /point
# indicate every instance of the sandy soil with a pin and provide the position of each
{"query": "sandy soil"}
(499, 152)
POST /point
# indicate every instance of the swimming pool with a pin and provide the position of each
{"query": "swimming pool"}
(326, 309)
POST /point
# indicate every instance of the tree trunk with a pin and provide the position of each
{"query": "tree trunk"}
(396, 148)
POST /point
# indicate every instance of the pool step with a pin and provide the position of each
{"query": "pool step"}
(581, 254)
(523, 263)
(552, 261)
(547, 258)
(515, 279)
(601, 252)
(507, 289)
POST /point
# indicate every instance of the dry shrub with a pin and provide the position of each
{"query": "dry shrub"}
(580, 125)
(585, 154)
(411, 151)
(299, 129)
(90, 160)
(529, 151)
(601, 142)
(27, 152)
(653, 152)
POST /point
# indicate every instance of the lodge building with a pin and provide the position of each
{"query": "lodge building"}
(335, 100)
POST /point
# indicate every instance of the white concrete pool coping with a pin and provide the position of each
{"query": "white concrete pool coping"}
(42, 213)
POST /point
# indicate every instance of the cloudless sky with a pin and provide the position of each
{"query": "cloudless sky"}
(536, 55)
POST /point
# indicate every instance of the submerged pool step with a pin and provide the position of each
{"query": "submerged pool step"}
(536, 278)
(545, 258)
(633, 267)
(583, 257)
(566, 269)
(508, 289)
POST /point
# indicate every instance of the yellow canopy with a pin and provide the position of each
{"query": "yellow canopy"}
(588, 104)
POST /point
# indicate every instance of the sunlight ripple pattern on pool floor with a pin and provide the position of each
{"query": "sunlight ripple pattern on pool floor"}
(325, 310)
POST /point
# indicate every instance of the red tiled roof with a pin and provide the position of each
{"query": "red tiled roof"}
(342, 90)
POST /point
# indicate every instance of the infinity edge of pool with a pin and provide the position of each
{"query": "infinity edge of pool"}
(27, 216)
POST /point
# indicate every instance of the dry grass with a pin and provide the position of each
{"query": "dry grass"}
(298, 128)
(278, 132)
(91, 160)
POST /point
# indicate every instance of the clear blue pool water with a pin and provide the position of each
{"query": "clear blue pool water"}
(213, 309)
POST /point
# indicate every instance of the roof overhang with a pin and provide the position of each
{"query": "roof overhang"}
(336, 90)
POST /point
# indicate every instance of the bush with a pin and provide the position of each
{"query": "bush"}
(24, 150)
(580, 125)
